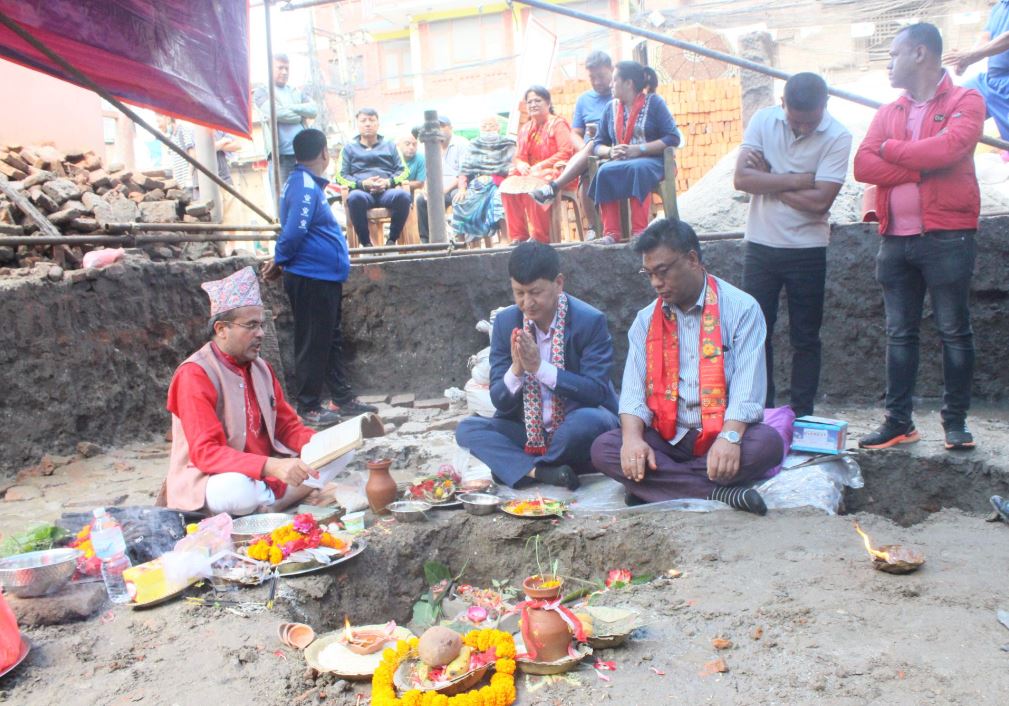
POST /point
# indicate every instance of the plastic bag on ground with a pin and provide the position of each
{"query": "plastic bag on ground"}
(478, 399)
(804, 481)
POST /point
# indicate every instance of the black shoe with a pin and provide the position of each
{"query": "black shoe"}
(319, 418)
(390, 241)
(958, 438)
(1001, 507)
(889, 434)
(632, 500)
(351, 408)
(546, 193)
(741, 498)
(561, 476)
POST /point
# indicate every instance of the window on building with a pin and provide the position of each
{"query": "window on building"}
(396, 64)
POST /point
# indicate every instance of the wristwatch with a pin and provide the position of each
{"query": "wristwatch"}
(641, 148)
(732, 437)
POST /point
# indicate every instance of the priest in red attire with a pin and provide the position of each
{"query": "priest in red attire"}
(235, 439)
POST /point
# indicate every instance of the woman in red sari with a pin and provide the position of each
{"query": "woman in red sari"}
(544, 142)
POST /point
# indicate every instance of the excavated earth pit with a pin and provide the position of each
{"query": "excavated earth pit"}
(808, 617)
(908, 488)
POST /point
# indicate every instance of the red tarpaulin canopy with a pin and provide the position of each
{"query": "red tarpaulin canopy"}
(188, 58)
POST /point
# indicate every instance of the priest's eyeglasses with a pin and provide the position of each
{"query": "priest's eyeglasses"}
(248, 325)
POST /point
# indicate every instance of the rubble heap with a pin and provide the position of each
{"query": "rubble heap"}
(79, 195)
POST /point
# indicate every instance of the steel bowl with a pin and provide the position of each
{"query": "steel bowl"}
(479, 503)
(409, 510)
(255, 525)
(38, 573)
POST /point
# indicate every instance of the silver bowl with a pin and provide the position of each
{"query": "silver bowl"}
(38, 573)
(409, 510)
(254, 525)
(479, 503)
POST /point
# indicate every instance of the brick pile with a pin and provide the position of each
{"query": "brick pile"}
(708, 113)
(79, 194)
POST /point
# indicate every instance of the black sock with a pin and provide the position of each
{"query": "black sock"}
(563, 476)
(740, 498)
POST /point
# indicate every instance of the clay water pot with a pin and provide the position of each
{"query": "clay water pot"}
(551, 636)
(381, 488)
(531, 587)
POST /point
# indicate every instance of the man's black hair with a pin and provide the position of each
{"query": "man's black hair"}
(670, 232)
(597, 59)
(924, 34)
(223, 316)
(533, 260)
(805, 91)
(366, 111)
(309, 144)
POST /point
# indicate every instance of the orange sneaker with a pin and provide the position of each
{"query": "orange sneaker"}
(889, 434)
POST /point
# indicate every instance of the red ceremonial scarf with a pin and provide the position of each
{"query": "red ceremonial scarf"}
(662, 371)
(625, 132)
(537, 438)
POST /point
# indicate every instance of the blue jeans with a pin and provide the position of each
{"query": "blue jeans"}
(940, 262)
(500, 442)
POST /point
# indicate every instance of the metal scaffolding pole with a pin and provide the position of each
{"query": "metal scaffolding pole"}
(711, 54)
(430, 135)
(126, 110)
(274, 135)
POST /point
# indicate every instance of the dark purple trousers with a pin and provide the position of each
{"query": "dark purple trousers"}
(680, 474)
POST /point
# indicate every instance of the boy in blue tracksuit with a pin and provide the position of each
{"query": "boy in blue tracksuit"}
(312, 254)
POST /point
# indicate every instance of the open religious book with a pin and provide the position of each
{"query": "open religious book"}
(338, 441)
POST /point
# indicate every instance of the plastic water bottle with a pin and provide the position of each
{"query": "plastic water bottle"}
(110, 546)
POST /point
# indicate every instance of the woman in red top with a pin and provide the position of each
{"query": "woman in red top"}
(544, 143)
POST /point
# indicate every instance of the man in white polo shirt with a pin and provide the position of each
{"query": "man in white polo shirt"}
(793, 161)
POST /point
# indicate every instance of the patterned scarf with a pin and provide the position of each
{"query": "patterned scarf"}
(662, 371)
(632, 131)
(537, 438)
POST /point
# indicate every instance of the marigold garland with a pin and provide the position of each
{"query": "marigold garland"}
(500, 691)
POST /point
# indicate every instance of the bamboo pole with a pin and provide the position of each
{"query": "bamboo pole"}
(185, 227)
(274, 134)
(127, 111)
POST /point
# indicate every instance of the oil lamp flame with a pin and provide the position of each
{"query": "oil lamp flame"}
(868, 545)
(347, 632)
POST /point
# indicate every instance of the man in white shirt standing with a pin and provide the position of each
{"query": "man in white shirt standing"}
(793, 161)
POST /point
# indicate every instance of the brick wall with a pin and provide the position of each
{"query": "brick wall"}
(708, 112)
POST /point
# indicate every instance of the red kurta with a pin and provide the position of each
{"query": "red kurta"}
(193, 399)
(542, 147)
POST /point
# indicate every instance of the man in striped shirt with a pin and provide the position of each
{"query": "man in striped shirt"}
(694, 384)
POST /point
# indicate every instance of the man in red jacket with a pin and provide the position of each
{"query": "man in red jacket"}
(919, 154)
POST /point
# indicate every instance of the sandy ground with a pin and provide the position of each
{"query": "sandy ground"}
(832, 629)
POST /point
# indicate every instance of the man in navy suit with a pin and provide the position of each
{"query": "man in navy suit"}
(551, 358)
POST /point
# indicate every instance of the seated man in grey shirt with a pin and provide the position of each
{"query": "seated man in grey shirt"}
(692, 399)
